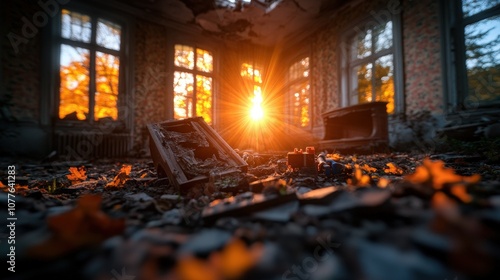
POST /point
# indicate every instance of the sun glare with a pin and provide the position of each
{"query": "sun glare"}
(256, 111)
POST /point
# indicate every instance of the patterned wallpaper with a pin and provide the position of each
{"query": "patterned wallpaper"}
(421, 52)
(150, 77)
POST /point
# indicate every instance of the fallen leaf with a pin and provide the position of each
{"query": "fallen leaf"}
(358, 178)
(232, 262)
(434, 174)
(383, 182)
(84, 225)
(77, 174)
(121, 178)
(393, 169)
(368, 168)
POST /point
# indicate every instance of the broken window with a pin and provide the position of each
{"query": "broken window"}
(193, 83)
(370, 65)
(89, 67)
(299, 98)
(252, 75)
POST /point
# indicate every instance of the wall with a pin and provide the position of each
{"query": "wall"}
(20, 62)
(421, 54)
(150, 79)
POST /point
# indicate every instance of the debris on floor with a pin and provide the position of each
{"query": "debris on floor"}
(321, 216)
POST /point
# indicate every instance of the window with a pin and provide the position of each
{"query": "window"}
(368, 65)
(193, 83)
(252, 76)
(299, 97)
(474, 44)
(89, 67)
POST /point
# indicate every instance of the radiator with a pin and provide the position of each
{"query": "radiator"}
(84, 145)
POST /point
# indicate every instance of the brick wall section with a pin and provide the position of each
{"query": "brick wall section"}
(150, 81)
(21, 68)
(421, 51)
(422, 56)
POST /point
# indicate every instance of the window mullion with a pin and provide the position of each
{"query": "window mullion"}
(92, 71)
(195, 81)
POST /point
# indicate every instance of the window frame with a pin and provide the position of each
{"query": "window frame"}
(455, 80)
(124, 120)
(297, 81)
(344, 52)
(213, 75)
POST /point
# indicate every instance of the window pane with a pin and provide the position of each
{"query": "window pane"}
(183, 95)
(384, 81)
(75, 26)
(471, 7)
(482, 41)
(300, 99)
(248, 71)
(204, 60)
(108, 34)
(184, 56)
(204, 98)
(106, 97)
(383, 36)
(362, 84)
(299, 69)
(362, 45)
(74, 87)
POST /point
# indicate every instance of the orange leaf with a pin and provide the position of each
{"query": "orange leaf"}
(368, 168)
(436, 175)
(77, 174)
(383, 182)
(121, 178)
(236, 258)
(84, 225)
(460, 192)
(358, 179)
(393, 169)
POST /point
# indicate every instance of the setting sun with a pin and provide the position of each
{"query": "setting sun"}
(256, 111)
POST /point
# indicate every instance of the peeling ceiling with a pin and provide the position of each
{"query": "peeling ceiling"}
(262, 22)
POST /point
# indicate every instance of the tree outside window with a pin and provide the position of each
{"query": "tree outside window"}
(89, 69)
(299, 98)
(193, 83)
(480, 22)
(370, 65)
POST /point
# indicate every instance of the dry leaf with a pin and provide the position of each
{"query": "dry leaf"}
(393, 169)
(230, 263)
(436, 175)
(121, 178)
(77, 174)
(84, 225)
(358, 178)
(383, 182)
(368, 168)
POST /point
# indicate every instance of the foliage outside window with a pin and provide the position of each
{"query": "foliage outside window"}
(193, 83)
(89, 68)
(481, 29)
(370, 65)
(299, 94)
(252, 76)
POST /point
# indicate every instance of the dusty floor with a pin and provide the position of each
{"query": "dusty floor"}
(384, 216)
